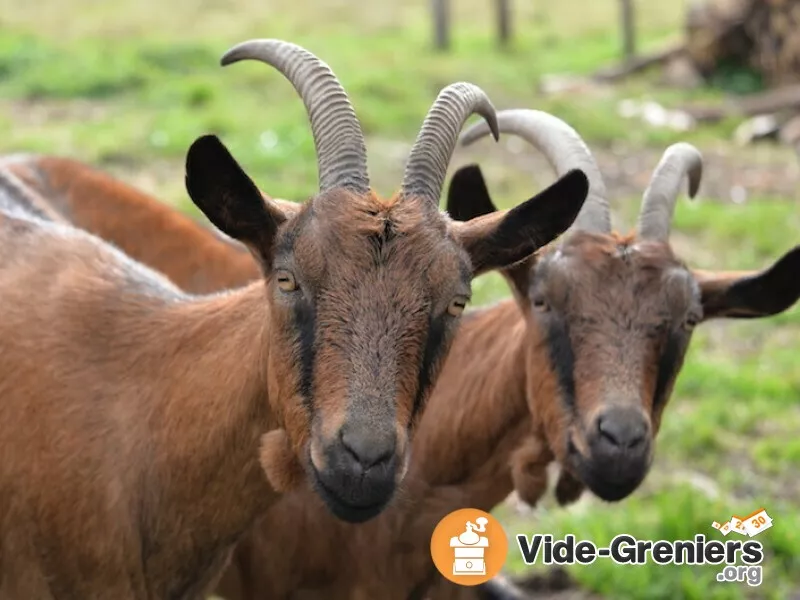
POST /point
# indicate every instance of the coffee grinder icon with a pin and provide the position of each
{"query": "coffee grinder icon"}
(469, 549)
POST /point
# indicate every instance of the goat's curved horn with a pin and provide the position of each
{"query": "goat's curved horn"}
(564, 149)
(427, 163)
(658, 204)
(338, 138)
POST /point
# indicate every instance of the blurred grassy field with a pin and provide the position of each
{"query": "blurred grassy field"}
(129, 84)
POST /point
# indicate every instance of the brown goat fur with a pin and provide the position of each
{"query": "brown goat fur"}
(141, 407)
(498, 415)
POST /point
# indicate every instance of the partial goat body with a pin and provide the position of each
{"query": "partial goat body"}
(197, 258)
(138, 421)
(127, 416)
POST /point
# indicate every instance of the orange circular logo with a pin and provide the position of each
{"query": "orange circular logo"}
(469, 546)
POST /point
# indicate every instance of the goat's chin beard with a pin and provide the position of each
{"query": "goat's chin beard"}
(341, 509)
(588, 473)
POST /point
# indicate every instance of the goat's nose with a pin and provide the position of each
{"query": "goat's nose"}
(623, 428)
(368, 448)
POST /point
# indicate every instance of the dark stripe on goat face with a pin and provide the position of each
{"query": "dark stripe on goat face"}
(668, 365)
(305, 322)
(430, 358)
(559, 346)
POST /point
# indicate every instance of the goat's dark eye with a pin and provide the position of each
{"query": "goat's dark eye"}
(457, 306)
(286, 281)
(690, 323)
(541, 305)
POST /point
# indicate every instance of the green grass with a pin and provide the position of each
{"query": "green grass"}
(129, 85)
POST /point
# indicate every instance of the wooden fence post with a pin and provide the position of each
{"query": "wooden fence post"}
(628, 30)
(441, 24)
(503, 21)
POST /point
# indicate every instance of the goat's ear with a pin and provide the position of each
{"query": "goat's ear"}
(468, 197)
(500, 239)
(751, 294)
(221, 189)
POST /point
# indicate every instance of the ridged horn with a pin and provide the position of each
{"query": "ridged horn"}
(564, 149)
(338, 138)
(658, 203)
(430, 156)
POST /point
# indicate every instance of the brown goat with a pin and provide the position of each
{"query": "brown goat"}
(139, 224)
(132, 413)
(578, 369)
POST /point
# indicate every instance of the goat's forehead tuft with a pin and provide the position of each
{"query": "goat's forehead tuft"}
(368, 214)
(349, 236)
(597, 249)
(593, 261)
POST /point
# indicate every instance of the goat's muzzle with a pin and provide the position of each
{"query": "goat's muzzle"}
(358, 473)
(619, 443)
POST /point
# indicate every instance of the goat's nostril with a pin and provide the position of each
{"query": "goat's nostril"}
(633, 442)
(368, 450)
(623, 430)
(607, 430)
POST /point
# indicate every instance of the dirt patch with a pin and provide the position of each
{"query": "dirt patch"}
(730, 174)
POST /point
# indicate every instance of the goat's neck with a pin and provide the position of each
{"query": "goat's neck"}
(205, 421)
(478, 411)
(474, 421)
